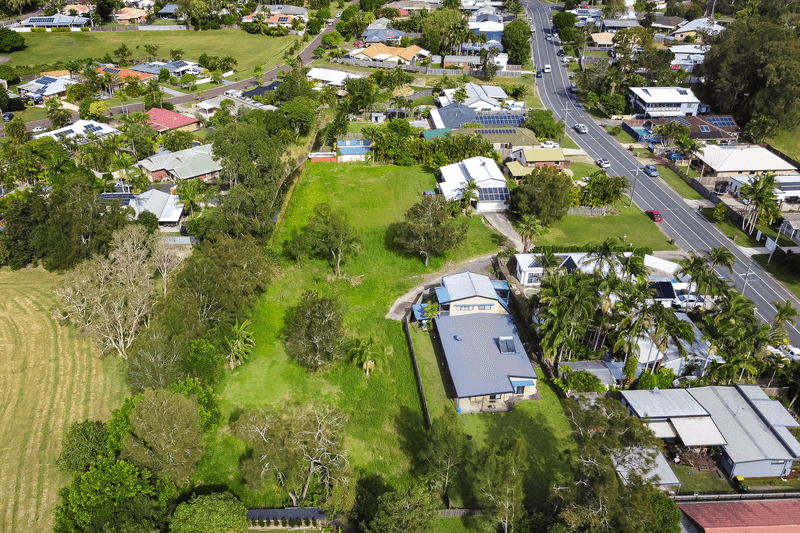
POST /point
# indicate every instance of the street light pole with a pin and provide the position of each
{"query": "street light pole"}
(633, 189)
(776, 243)
(746, 275)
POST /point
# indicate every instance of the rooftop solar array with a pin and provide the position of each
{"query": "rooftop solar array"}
(67, 132)
(500, 120)
(705, 129)
(179, 64)
(92, 128)
(493, 194)
(112, 70)
(126, 197)
(721, 122)
(46, 80)
(496, 132)
(681, 120)
(43, 20)
(40, 90)
(283, 19)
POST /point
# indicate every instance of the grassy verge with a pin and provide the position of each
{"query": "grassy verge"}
(30, 114)
(567, 142)
(729, 229)
(622, 137)
(581, 170)
(580, 230)
(789, 279)
(677, 183)
(249, 50)
(703, 482)
(51, 376)
(772, 233)
(384, 409)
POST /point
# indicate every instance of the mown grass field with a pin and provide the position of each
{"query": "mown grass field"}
(788, 142)
(630, 222)
(384, 410)
(50, 376)
(249, 50)
(677, 183)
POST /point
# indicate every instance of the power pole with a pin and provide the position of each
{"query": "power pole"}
(776, 243)
(633, 189)
(746, 275)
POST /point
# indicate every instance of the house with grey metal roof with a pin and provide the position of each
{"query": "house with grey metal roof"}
(196, 162)
(751, 430)
(163, 205)
(596, 368)
(486, 362)
(468, 293)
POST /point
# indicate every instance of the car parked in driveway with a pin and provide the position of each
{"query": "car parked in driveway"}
(581, 128)
(549, 144)
(38, 129)
(689, 300)
(651, 171)
(655, 215)
(7, 116)
(603, 163)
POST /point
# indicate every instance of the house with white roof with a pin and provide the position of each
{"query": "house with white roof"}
(704, 26)
(493, 192)
(688, 56)
(663, 102)
(81, 131)
(749, 429)
(492, 29)
(163, 205)
(479, 97)
(328, 76)
(45, 87)
(742, 160)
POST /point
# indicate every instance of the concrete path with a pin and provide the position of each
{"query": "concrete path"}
(171, 92)
(401, 306)
(499, 221)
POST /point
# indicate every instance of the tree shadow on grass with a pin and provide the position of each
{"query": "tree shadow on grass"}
(412, 436)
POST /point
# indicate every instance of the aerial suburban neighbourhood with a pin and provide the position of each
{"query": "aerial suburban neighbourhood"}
(422, 266)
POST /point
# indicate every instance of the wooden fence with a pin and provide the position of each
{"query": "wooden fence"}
(458, 513)
(422, 398)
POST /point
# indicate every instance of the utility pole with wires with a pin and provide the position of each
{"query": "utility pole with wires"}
(633, 189)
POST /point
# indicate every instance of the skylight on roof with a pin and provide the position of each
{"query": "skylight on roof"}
(507, 345)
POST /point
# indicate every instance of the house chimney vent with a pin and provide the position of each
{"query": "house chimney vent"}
(458, 337)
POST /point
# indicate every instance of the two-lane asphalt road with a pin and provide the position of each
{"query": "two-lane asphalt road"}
(682, 222)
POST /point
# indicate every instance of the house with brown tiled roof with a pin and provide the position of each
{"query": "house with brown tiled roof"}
(392, 54)
(272, 19)
(130, 15)
(125, 73)
(603, 39)
(80, 9)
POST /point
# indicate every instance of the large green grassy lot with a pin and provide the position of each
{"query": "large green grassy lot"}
(385, 410)
(249, 50)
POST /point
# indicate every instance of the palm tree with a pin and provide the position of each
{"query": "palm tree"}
(777, 362)
(761, 192)
(603, 255)
(190, 191)
(529, 227)
(241, 343)
(632, 267)
(696, 268)
(469, 192)
(260, 23)
(365, 352)
(721, 256)
(785, 312)
(123, 163)
(690, 147)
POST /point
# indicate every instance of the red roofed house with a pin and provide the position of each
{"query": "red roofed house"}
(272, 19)
(767, 516)
(165, 120)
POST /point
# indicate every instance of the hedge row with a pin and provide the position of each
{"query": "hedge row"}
(558, 249)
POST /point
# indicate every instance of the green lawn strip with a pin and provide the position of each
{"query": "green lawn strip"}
(631, 221)
(773, 483)
(729, 229)
(457, 525)
(567, 142)
(788, 142)
(789, 279)
(249, 50)
(702, 482)
(384, 409)
(643, 153)
(430, 373)
(355, 127)
(582, 170)
(31, 114)
(596, 54)
(622, 137)
(677, 183)
(772, 233)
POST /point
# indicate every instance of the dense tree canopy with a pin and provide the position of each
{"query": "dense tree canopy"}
(516, 42)
(219, 511)
(428, 229)
(315, 330)
(751, 70)
(545, 194)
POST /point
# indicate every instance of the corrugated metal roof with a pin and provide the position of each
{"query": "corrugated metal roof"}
(477, 367)
(596, 368)
(660, 470)
(468, 285)
(697, 431)
(662, 404)
(663, 430)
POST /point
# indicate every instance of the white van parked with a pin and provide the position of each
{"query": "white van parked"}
(547, 68)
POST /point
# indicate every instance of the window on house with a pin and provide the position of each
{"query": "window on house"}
(494, 396)
(484, 307)
(519, 390)
(533, 278)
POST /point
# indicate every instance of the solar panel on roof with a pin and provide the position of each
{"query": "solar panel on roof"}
(67, 132)
(721, 122)
(283, 19)
(180, 63)
(681, 120)
(40, 90)
(705, 129)
(112, 70)
(46, 80)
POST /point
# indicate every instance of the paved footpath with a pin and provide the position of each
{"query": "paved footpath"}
(500, 222)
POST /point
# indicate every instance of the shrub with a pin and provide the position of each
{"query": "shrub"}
(38, 30)
(284, 523)
(307, 522)
(86, 28)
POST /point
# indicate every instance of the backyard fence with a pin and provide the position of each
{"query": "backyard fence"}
(734, 497)
(424, 402)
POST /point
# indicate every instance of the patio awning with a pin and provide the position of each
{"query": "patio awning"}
(663, 430)
(698, 431)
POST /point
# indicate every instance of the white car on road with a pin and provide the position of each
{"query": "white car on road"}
(603, 163)
(547, 68)
(581, 128)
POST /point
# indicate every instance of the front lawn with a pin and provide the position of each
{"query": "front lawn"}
(567, 142)
(31, 114)
(384, 410)
(788, 142)
(772, 233)
(730, 229)
(701, 482)
(677, 183)
(622, 137)
(582, 170)
(631, 221)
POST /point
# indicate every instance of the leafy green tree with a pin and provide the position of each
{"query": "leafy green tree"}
(316, 330)
(17, 131)
(427, 229)
(122, 54)
(176, 53)
(365, 352)
(210, 413)
(446, 453)
(488, 64)
(516, 37)
(300, 113)
(219, 511)
(11, 41)
(581, 381)
(545, 194)
(166, 435)
(331, 236)
(205, 361)
(410, 510)
(83, 443)
(500, 478)
(240, 344)
(362, 93)
(543, 124)
(155, 361)
(741, 71)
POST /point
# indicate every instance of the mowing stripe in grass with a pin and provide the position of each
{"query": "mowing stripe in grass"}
(12, 378)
